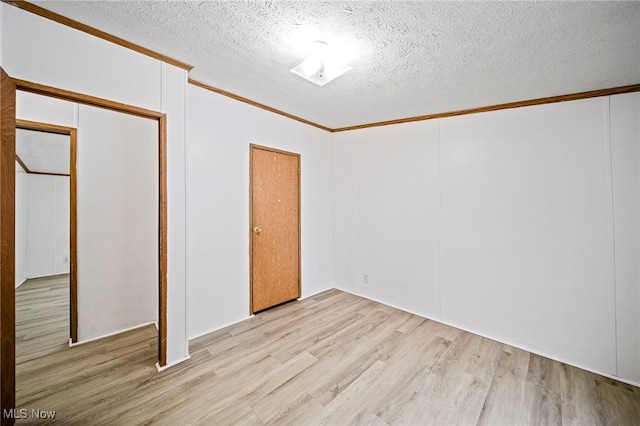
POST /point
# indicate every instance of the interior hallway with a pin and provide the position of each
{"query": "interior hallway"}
(334, 358)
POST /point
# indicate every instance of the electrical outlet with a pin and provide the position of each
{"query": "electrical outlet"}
(365, 279)
(65, 260)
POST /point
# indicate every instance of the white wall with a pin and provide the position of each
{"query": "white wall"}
(61, 224)
(387, 215)
(43, 51)
(46, 110)
(625, 153)
(21, 225)
(47, 227)
(219, 133)
(527, 245)
(501, 223)
(42, 225)
(117, 170)
(174, 98)
(1, 34)
(39, 50)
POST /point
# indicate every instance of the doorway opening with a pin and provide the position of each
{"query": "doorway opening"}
(8, 89)
(47, 154)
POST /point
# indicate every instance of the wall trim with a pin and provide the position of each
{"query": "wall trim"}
(47, 128)
(31, 172)
(7, 244)
(67, 95)
(22, 282)
(608, 162)
(217, 328)
(531, 102)
(181, 360)
(60, 275)
(229, 324)
(521, 347)
(22, 165)
(45, 13)
(115, 333)
(257, 104)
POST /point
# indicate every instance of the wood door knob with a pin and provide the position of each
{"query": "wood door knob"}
(257, 230)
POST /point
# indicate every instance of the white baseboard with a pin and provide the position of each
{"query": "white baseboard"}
(219, 328)
(60, 274)
(93, 339)
(306, 296)
(154, 323)
(41, 276)
(250, 316)
(524, 348)
(172, 364)
(22, 282)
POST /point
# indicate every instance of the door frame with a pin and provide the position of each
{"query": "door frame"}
(278, 151)
(7, 246)
(73, 218)
(8, 88)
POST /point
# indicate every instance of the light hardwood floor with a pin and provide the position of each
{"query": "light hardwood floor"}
(42, 317)
(334, 358)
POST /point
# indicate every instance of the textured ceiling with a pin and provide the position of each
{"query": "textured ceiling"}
(43, 152)
(408, 58)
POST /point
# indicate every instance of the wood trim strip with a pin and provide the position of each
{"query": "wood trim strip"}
(257, 104)
(7, 247)
(162, 239)
(276, 150)
(250, 229)
(48, 174)
(299, 157)
(66, 95)
(47, 128)
(24, 5)
(44, 127)
(24, 166)
(37, 10)
(518, 104)
(73, 238)
(532, 102)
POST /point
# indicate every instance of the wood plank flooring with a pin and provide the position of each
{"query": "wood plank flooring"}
(333, 359)
(42, 317)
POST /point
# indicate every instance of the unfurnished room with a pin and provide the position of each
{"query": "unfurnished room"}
(320, 212)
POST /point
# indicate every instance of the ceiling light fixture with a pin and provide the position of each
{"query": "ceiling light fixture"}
(322, 66)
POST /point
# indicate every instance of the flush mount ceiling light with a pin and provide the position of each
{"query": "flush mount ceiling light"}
(322, 66)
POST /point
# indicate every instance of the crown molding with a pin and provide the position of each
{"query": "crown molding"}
(257, 104)
(510, 105)
(25, 5)
(539, 101)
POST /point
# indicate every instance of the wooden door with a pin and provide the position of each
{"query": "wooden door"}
(7, 248)
(275, 227)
